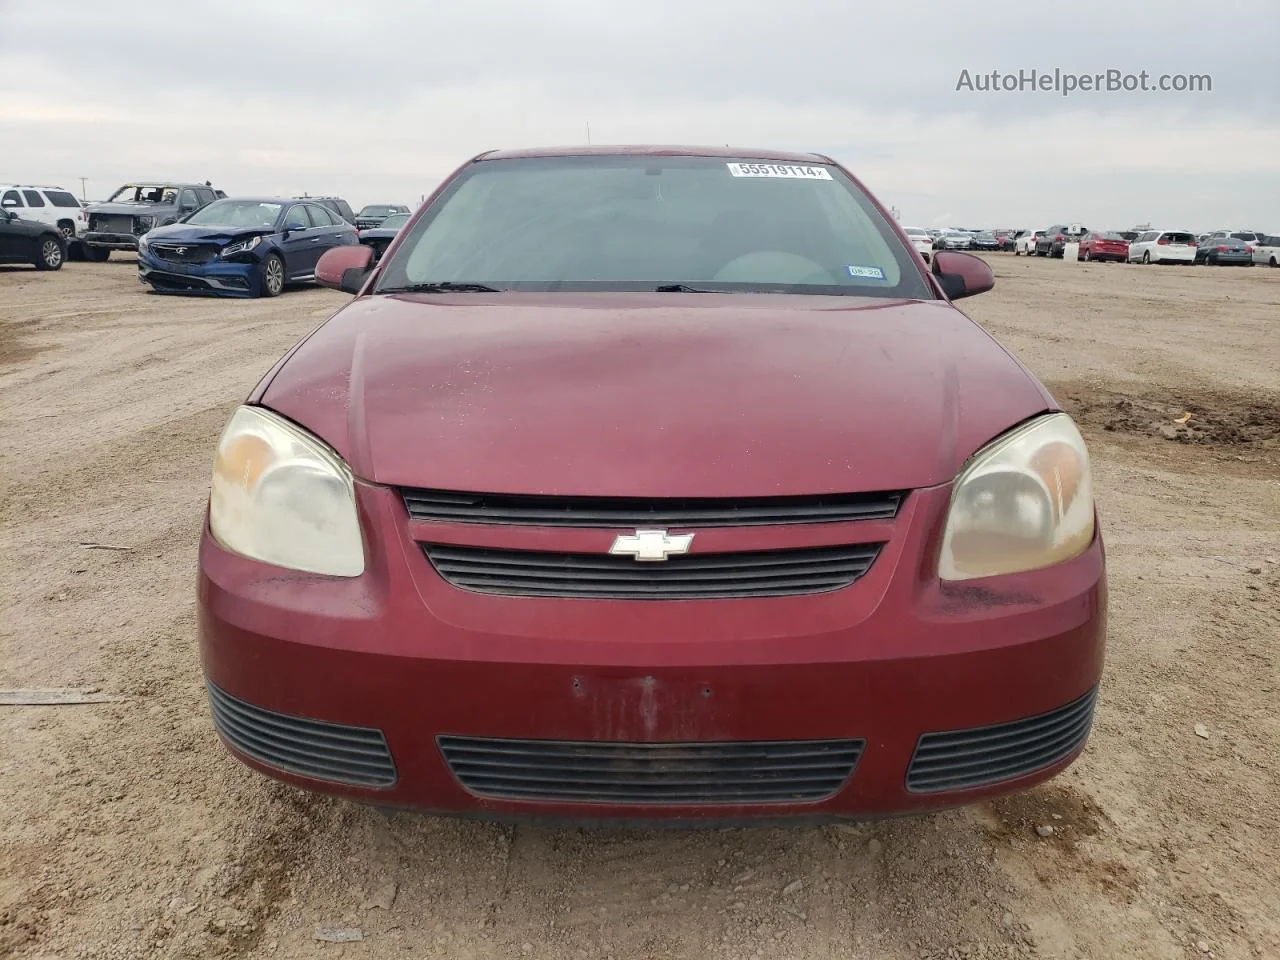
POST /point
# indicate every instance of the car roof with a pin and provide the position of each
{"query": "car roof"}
(654, 150)
(161, 182)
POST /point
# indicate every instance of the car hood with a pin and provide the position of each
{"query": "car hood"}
(378, 233)
(211, 233)
(696, 395)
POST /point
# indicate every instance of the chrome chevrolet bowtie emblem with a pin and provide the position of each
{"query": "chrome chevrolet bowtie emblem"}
(651, 544)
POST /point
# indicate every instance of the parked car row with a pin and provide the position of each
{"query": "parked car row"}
(1220, 248)
(190, 237)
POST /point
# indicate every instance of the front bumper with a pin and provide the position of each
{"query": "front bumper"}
(111, 241)
(456, 702)
(226, 278)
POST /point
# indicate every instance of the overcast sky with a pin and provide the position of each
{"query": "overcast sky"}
(378, 100)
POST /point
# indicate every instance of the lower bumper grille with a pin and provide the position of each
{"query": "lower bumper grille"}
(743, 772)
(310, 748)
(773, 573)
(176, 281)
(962, 759)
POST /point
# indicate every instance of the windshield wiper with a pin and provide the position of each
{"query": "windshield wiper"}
(445, 286)
(680, 288)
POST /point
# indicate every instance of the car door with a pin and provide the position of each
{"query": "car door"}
(300, 243)
(15, 244)
(332, 231)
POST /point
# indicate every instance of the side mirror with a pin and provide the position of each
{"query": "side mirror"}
(962, 274)
(294, 227)
(345, 268)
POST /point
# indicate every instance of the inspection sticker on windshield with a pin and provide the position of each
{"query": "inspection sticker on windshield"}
(783, 171)
(864, 273)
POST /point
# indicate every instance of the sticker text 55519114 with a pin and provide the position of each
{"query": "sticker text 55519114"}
(783, 171)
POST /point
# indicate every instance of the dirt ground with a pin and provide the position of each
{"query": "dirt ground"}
(126, 831)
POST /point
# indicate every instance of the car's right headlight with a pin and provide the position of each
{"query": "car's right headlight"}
(240, 246)
(1023, 502)
(281, 496)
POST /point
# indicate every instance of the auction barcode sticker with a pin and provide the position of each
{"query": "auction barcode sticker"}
(784, 171)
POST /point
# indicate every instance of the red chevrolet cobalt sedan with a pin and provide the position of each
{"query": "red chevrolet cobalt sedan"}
(652, 483)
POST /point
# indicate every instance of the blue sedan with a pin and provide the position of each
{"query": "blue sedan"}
(241, 247)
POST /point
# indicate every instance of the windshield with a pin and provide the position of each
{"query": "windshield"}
(1107, 236)
(638, 222)
(377, 211)
(244, 214)
(395, 222)
(144, 193)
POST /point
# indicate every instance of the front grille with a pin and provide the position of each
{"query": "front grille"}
(184, 253)
(735, 772)
(110, 223)
(310, 748)
(553, 511)
(772, 573)
(962, 759)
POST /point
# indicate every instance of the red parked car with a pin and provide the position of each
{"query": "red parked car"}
(652, 483)
(1103, 246)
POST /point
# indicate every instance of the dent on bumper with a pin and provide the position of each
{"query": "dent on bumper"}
(866, 677)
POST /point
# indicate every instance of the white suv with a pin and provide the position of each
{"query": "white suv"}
(52, 205)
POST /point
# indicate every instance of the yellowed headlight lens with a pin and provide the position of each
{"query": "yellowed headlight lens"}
(281, 496)
(1024, 502)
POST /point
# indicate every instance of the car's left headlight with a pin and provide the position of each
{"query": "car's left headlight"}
(143, 243)
(1023, 502)
(240, 246)
(281, 496)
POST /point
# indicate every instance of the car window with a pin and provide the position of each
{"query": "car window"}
(344, 210)
(1245, 236)
(61, 198)
(33, 198)
(11, 198)
(1177, 237)
(144, 193)
(244, 214)
(636, 222)
(188, 198)
(298, 215)
(1106, 236)
(321, 216)
(205, 195)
